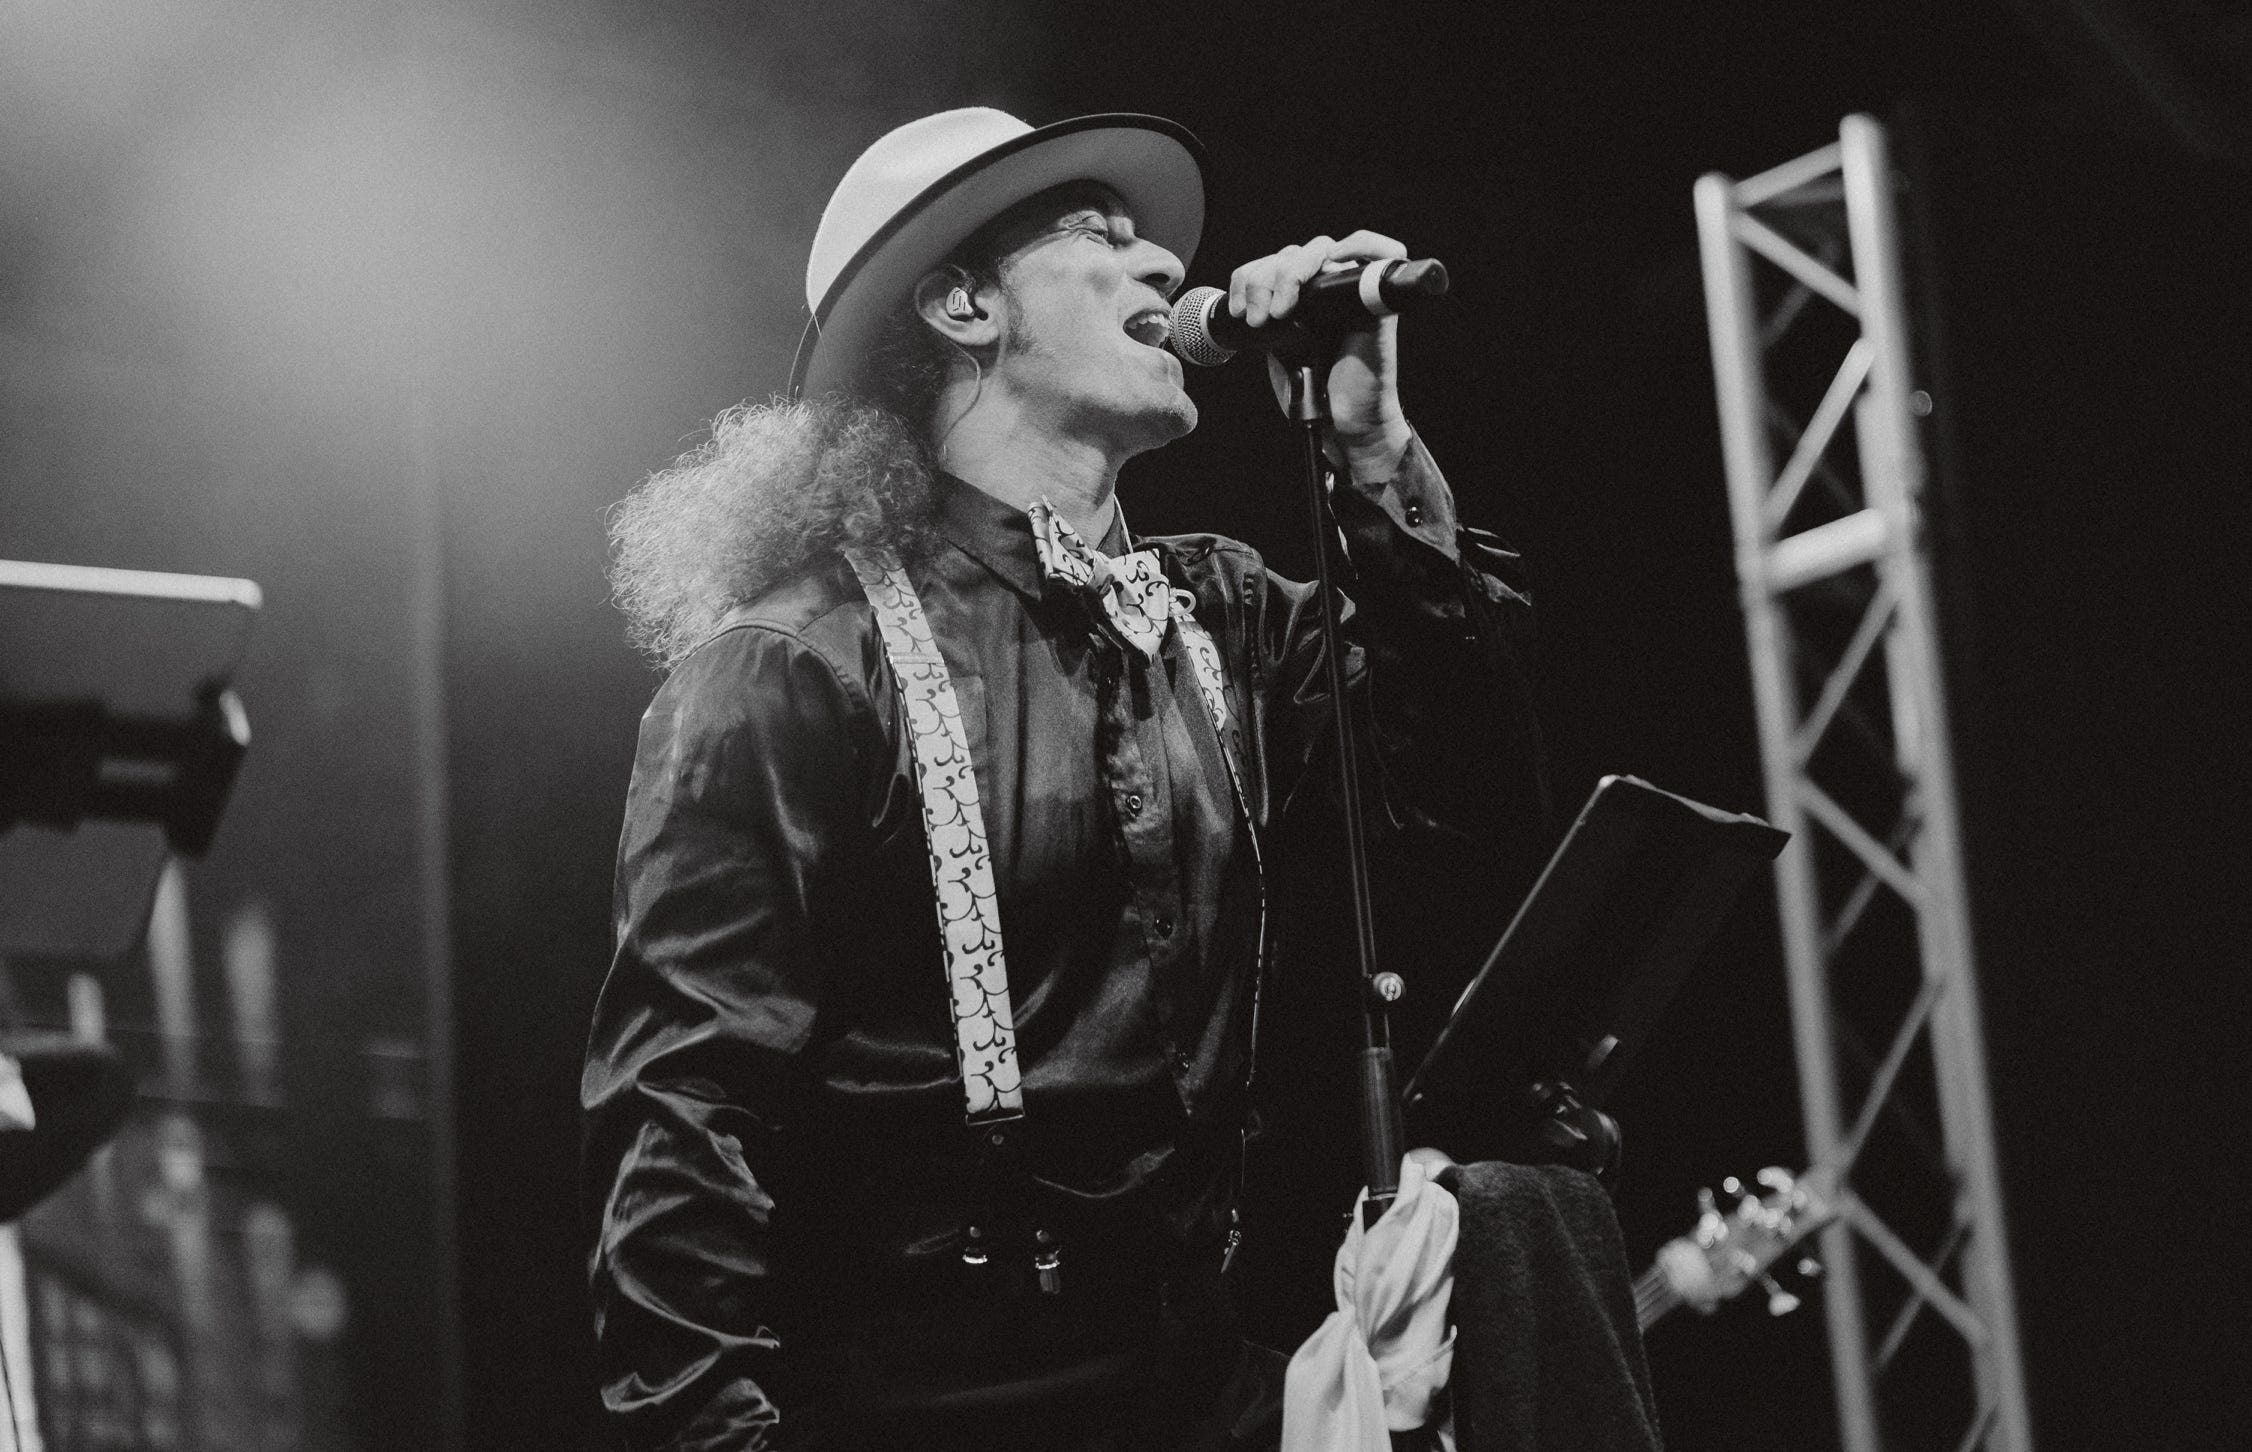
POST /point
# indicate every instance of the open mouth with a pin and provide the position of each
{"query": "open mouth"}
(1150, 327)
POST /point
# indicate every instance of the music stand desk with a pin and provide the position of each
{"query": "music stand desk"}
(1621, 913)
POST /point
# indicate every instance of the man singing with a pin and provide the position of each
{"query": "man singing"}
(918, 1090)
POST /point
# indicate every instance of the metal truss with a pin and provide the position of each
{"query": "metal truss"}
(1835, 572)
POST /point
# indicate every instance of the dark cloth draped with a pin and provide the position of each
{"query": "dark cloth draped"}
(1547, 1354)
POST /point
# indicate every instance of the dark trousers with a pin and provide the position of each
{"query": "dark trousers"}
(1165, 1372)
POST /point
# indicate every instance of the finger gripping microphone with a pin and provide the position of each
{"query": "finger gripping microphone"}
(1207, 334)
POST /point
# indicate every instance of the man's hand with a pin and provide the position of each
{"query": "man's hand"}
(1367, 427)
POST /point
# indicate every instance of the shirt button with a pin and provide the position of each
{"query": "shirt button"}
(1133, 804)
(1164, 925)
(1182, 1061)
(1415, 514)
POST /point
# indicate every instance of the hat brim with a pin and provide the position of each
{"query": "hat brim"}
(1155, 166)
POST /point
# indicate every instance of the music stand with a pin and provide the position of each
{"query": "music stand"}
(119, 741)
(1620, 914)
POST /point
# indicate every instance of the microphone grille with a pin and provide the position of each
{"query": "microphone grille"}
(1191, 339)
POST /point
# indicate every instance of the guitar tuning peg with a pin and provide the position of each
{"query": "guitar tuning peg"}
(1809, 1267)
(1712, 1227)
(1779, 1301)
(1732, 1186)
(1775, 1177)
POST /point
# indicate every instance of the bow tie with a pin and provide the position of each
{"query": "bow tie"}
(1129, 592)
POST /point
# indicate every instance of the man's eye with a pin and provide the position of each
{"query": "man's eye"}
(1103, 229)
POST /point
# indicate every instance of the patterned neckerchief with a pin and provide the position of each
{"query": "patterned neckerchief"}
(1128, 592)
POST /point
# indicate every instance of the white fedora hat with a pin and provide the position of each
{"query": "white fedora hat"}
(921, 191)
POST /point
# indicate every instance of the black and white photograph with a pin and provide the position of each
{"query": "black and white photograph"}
(982, 726)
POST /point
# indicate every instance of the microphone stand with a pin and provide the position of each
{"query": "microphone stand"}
(1382, 1135)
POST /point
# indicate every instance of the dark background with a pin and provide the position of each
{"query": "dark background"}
(272, 271)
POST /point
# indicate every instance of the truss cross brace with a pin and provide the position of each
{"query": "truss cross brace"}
(1876, 536)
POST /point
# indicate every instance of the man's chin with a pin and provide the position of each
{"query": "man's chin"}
(1158, 427)
(1152, 426)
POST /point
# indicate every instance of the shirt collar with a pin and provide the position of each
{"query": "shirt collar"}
(998, 535)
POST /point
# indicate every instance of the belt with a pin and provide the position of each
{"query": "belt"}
(1085, 1271)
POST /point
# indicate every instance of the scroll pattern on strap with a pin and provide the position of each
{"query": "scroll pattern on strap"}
(969, 914)
(1212, 683)
(1212, 680)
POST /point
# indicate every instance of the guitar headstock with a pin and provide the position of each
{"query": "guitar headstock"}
(1733, 1247)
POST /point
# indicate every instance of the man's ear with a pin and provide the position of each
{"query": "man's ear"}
(951, 301)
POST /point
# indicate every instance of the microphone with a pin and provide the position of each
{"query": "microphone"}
(1207, 334)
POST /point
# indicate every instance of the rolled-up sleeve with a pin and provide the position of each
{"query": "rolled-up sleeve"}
(744, 794)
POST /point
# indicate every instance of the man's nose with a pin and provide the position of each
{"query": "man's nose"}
(1158, 267)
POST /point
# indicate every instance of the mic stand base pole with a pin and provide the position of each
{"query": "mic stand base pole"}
(1382, 1135)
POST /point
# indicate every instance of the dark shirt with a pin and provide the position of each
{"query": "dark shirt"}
(777, 1163)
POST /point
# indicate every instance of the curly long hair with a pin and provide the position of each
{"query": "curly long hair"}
(780, 486)
(777, 488)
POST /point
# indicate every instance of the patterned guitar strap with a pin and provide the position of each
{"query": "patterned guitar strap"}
(969, 919)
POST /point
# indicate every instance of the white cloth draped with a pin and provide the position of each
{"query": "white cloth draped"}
(1380, 1362)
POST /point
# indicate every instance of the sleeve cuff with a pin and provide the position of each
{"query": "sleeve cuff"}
(1416, 499)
